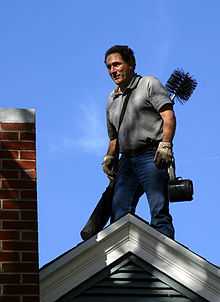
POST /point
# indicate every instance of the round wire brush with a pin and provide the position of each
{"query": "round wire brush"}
(181, 85)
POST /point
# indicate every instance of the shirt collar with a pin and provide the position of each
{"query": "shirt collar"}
(130, 86)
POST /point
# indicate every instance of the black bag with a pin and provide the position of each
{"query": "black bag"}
(179, 189)
(100, 215)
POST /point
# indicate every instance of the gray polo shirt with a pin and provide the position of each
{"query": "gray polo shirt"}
(142, 119)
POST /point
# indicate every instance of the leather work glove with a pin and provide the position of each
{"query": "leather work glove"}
(109, 165)
(164, 155)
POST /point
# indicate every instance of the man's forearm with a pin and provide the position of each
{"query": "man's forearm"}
(169, 125)
(113, 147)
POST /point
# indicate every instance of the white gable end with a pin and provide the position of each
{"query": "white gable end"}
(129, 234)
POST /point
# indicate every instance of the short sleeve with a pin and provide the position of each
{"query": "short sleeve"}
(112, 133)
(158, 94)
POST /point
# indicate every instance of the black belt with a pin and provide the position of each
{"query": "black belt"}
(150, 144)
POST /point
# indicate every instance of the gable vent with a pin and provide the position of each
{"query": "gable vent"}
(130, 281)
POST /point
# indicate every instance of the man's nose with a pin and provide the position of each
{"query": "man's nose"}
(112, 69)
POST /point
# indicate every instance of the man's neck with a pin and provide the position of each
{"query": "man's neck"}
(121, 88)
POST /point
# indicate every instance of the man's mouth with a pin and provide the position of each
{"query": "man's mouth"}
(116, 77)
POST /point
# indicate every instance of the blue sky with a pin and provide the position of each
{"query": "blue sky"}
(51, 59)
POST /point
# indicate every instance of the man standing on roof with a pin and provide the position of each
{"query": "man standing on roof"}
(144, 139)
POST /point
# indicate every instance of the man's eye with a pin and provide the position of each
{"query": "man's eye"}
(116, 64)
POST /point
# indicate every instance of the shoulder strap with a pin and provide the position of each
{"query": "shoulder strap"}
(126, 103)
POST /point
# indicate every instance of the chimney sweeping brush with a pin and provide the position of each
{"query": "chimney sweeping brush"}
(180, 85)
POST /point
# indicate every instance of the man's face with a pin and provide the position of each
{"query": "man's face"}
(120, 71)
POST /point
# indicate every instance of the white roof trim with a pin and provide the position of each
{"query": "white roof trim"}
(129, 234)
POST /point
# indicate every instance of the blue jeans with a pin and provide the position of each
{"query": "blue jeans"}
(136, 175)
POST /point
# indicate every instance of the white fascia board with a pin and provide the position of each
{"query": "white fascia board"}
(177, 262)
(81, 263)
(130, 234)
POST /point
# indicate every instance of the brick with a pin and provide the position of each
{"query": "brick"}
(9, 136)
(29, 215)
(19, 204)
(9, 154)
(30, 299)
(9, 174)
(20, 267)
(18, 184)
(18, 164)
(17, 126)
(10, 299)
(19, 277)
(27, 136)
(29, 257)
(9, 279)
(29, 194)
(18, 145)
(30, 278)
(20, 289)
(28, 155)
(30, 236)
(19, 225)
(9, 256)
(19, 246)
(8, 194)
(9, 235)
(9, 215)
(28, 174)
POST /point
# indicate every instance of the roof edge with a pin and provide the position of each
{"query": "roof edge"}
(130, 234)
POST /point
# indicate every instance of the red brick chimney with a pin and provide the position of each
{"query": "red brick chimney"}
(19, 277)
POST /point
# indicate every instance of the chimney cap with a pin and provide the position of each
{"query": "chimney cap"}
(15, 115)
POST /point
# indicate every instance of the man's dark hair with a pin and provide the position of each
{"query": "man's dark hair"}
(126, 53)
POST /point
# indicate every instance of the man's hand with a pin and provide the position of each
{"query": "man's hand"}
(164, 155)
(108, 166)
